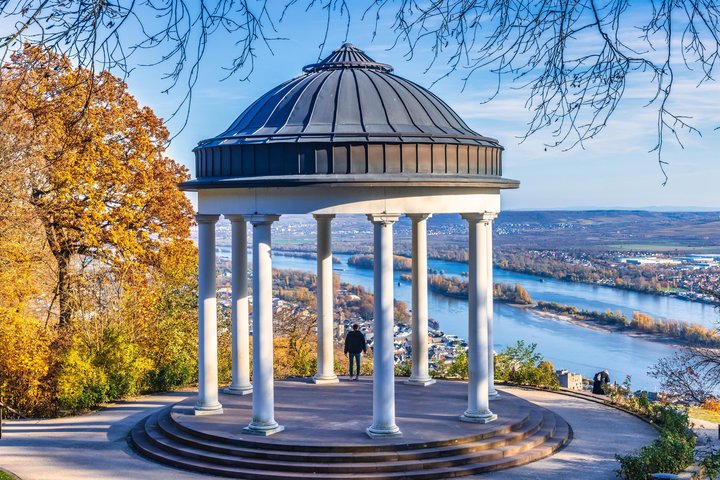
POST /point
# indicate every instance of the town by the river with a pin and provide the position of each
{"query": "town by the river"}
(566, 345)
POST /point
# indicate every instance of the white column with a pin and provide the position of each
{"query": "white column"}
(325, 351)
(383, 348)
(263, 408)
(420, 371)
(207, 402)
(492, 393)
(240, 329)
(478, 410)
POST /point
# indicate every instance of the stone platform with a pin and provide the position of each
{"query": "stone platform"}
(325, 435)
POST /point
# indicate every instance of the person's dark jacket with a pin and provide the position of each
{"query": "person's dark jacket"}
(355, 342)
(600, 379)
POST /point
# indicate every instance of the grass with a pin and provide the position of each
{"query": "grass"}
(703, 414)
(6, 476)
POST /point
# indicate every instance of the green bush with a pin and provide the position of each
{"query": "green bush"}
(668, 454)
(303, 366)
(170, 375)
(710, 464)
(440, 370)
(80, 384)
(403, 369)
(672, 420)
(459, 366)
(115, 369)
(123, 365)
(523, 365)
(175, 356)
(671, 453)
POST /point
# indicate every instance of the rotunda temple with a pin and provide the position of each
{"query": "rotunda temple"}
(345, 137)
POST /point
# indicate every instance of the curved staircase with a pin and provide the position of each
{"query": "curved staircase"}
(532, 435)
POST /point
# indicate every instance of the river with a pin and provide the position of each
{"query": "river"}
(578, 349)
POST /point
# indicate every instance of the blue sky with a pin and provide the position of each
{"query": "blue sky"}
(614, 170)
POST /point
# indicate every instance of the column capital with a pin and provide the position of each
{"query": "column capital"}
(262, 219)
(383, 218)
(418, 217)
(323, 216)
(479, 217)
(234, 217)
(206, 218)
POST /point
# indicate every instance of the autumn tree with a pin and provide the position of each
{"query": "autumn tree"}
(693, 373)
(295, 342)
(94, 171)
(577, 59)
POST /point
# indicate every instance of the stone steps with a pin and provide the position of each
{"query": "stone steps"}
(537, 435)
(385, 453)
(499, 427)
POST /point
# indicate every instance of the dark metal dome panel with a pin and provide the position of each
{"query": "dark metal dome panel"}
(347, 56)
(347, 115)
(348, 93)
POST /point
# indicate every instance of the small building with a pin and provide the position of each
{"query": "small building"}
(571, 381)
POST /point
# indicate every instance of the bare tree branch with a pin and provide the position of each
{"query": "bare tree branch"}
(574, 58)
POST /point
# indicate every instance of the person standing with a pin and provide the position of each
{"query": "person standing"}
(355, 344)
(599, 380)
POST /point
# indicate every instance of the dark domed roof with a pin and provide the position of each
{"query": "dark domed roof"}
(347, 114)
(349, 95)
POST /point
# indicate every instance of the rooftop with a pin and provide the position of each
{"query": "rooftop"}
(346, 114)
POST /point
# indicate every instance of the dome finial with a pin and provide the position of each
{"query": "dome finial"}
(347, 56)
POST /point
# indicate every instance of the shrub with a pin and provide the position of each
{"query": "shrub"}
(26, 363)
(521, 364)
(122, 364)
(175, 355)
(710, 464)
(459, 366)
(80, 384)
(712, 404)
(403, 369)
(440, 370)
(670, 453)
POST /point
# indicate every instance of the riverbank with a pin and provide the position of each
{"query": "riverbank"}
(639, 325)
(680, 295)
(697, 297)
(577, 348)
(605, 328)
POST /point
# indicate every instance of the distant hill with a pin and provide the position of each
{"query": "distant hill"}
(628, 229)
(539, 229)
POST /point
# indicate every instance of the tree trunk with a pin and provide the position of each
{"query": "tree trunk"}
(63, 287)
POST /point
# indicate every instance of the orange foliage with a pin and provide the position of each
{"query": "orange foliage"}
(712, 404)
(91, 219)
(96, 174)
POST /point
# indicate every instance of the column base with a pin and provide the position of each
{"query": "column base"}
(263, 430)
(420, 382)
(494, 395)
(318, 380)
(470, 417)
(238, 390)
(208, 409)
(374, 432)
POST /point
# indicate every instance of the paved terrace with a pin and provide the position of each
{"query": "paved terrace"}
(94, 446)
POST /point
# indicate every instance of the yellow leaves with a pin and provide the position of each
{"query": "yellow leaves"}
(84, 177)
(25, 361)
(96, 174)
